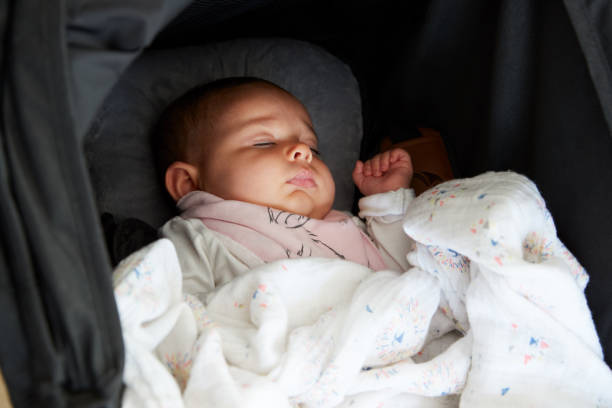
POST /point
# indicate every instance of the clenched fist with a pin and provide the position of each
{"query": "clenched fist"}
(384, 172)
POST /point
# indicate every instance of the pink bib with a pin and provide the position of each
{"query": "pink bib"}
(275, 234)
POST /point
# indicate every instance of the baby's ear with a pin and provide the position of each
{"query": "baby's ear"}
(181, 178)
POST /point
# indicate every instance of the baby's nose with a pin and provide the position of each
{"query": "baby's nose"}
(300, 151)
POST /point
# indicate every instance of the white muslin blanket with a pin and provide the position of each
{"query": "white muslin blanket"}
(492, 314)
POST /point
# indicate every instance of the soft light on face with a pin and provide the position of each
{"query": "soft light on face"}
(261, 149)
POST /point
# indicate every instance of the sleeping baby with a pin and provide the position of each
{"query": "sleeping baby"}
(471, 321)
(239, 156)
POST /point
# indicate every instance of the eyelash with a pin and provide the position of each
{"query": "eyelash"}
(264, 144)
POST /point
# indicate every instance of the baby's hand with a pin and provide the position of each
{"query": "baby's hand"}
(384, 172)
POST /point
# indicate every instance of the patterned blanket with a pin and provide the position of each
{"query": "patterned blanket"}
(493, 313)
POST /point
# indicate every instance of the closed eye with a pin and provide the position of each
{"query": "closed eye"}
(266, 144)
(263, 144)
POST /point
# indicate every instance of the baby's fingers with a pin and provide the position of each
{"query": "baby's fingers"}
(399, 154)
(379, 164)
(367, 168)
(375, 163)
(384, 161)
(358, 173)
(358, 169)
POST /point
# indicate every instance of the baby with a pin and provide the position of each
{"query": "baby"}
(241, 160)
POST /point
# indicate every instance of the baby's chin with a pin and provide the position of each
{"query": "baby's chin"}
(298, 202)
(302, 204)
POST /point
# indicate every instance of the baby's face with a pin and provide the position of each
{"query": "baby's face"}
(261, 148)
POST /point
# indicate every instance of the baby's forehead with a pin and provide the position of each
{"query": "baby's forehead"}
(244, 100)
(248, 91)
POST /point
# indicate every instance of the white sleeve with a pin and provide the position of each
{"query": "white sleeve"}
(206, 262)
(384, 215)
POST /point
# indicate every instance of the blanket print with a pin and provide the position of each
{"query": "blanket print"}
(492, 313)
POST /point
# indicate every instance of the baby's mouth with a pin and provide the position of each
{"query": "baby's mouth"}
(303, 179)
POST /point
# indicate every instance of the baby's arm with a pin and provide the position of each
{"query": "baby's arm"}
(387, 171)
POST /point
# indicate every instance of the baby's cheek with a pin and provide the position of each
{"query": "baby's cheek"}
(225, 185)
(330, 190)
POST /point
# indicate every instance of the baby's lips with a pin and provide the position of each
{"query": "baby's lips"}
(303, 179)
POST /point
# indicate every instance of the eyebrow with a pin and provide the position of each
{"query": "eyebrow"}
(256, 121)
(261, 120)
(311, 127)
